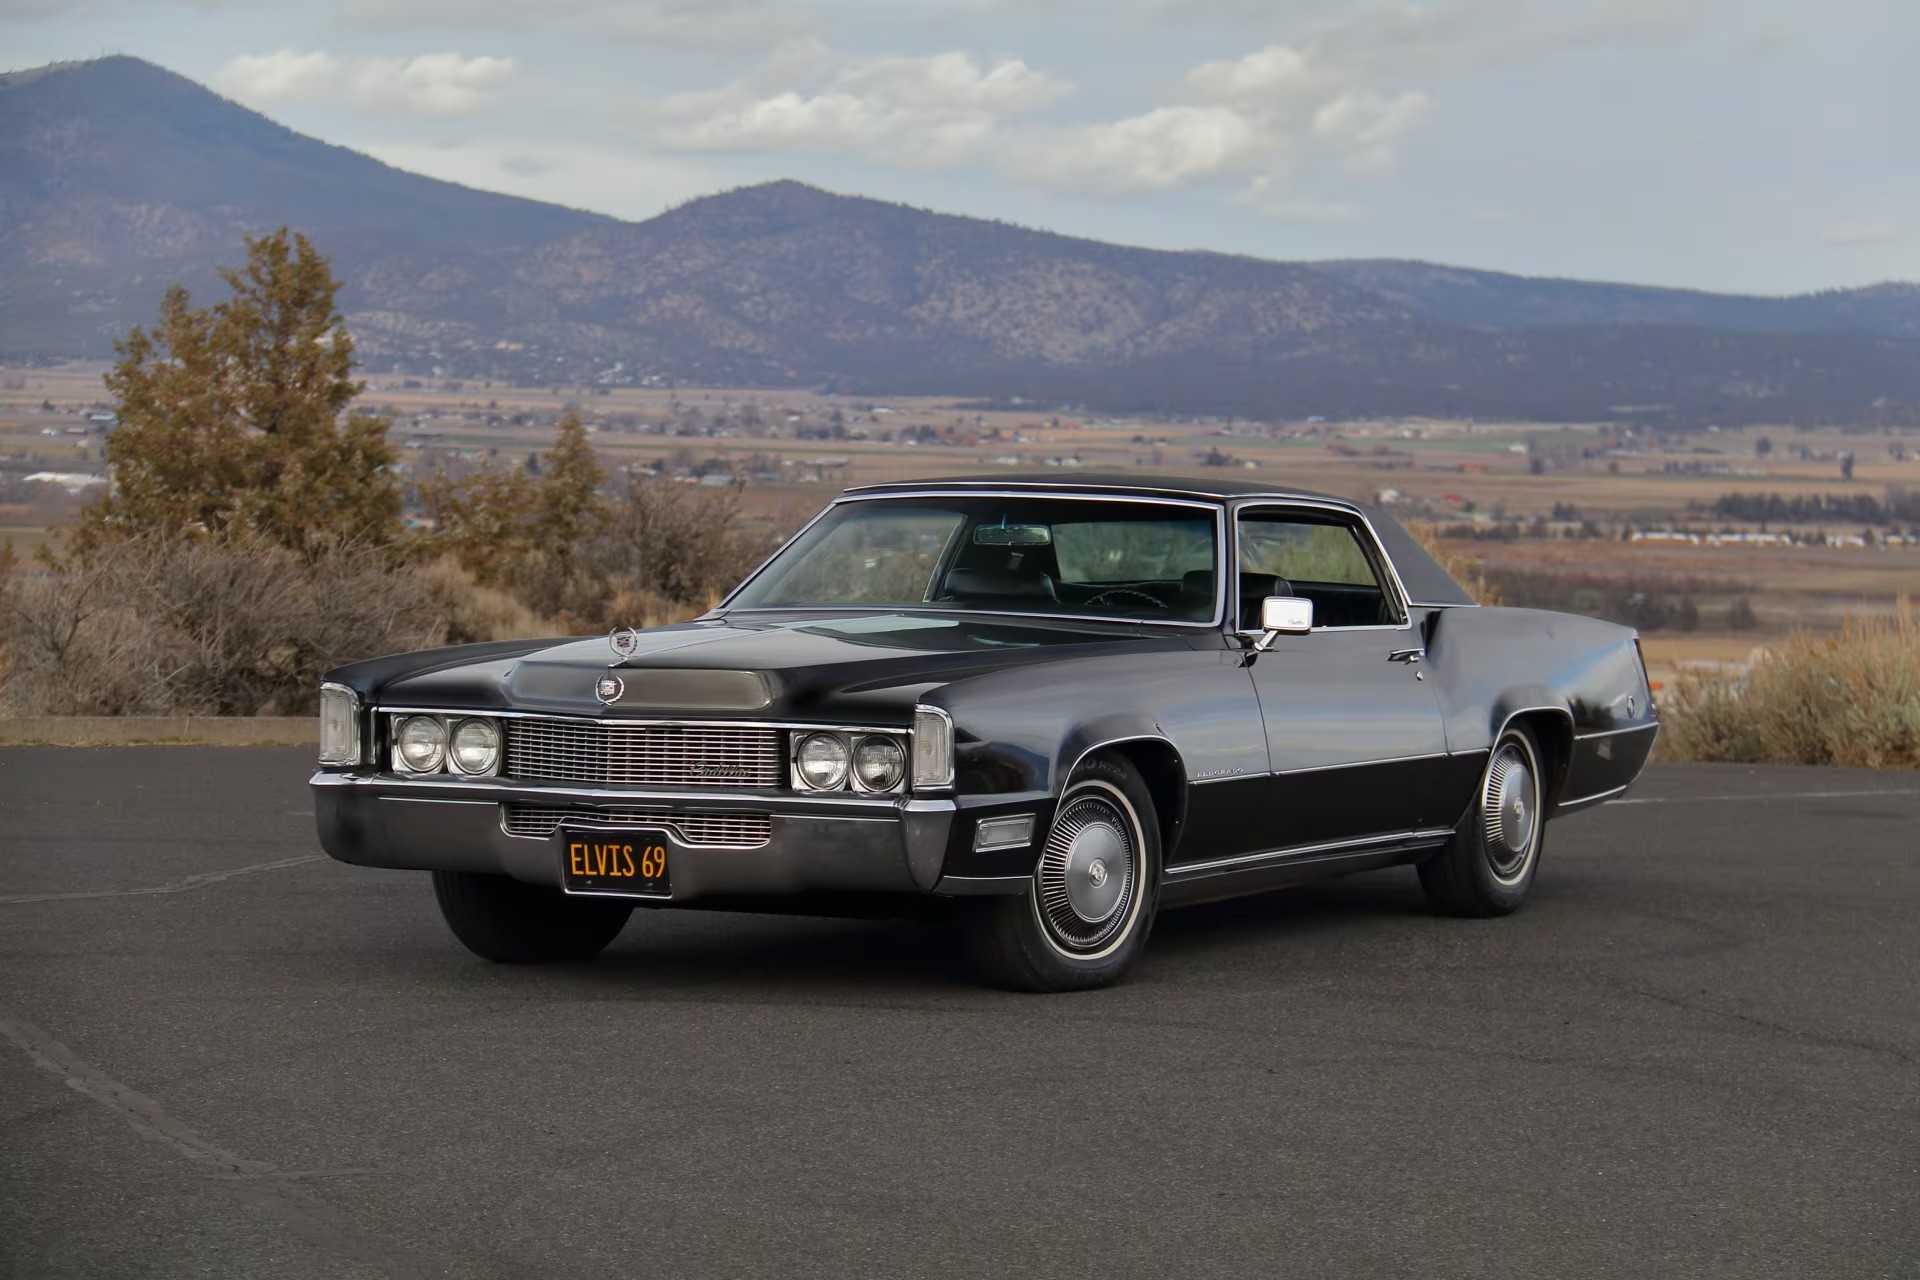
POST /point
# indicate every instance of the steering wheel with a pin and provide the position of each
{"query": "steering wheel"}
(1101, 597)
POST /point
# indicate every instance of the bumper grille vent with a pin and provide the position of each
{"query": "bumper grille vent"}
(644, 755)
(719, 830)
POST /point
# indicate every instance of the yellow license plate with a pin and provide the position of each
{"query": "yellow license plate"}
(622, 862)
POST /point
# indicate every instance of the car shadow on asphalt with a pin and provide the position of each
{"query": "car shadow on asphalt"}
(713, 955)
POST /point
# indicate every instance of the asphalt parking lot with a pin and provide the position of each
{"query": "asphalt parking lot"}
(1695, 1053)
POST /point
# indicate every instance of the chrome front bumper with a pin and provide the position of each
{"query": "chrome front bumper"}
(857, 844)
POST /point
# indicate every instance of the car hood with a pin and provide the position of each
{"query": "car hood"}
(869, 667)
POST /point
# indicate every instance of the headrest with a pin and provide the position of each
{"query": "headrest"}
(998, 583)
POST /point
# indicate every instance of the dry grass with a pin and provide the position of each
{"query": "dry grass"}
(1851, 699)
(1467, 570)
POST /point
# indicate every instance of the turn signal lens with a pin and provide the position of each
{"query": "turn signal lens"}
(339, 725)
(420, 744)
(932, 748)
(822, 762)
(476, 746)
(878, 764)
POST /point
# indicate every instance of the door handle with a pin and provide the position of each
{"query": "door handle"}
(1408, 656)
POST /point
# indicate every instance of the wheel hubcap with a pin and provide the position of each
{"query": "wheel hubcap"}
(1511, 811)
(1086, 874)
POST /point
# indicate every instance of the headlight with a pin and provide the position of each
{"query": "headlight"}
(420, 744)
(475, 747)
(932, 748)
(878, 764)
(339, 725)
(822, 761)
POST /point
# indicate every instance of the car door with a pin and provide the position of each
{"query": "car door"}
(1355, 741)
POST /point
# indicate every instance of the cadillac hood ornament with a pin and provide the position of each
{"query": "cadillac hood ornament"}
(625, 642)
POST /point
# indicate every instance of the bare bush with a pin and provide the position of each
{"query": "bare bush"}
(1851, 699)
(234, 625)
(684, 545)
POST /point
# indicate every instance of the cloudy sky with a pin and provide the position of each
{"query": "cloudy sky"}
(1751, 145)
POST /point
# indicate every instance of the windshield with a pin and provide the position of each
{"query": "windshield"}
(1140, 561)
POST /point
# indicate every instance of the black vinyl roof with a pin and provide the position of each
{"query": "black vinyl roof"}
(1107, 482)
(1425, 580)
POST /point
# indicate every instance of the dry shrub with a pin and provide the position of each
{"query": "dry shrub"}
(684, 545)
(1851, 699)
(233, 625)
(1465, 569)
(468, 610)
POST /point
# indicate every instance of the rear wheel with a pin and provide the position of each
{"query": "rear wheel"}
(1087, 913)
(1488, 866)
(513, 922)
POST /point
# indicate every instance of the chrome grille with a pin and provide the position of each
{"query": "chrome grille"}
(644, 755)
(731, 830)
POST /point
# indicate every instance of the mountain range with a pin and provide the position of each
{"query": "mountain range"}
(118, 178)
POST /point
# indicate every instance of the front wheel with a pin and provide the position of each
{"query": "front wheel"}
(1087, 913)
(1488, 866)
(506, 920)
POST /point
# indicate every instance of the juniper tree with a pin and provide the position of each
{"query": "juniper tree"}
(234, 418)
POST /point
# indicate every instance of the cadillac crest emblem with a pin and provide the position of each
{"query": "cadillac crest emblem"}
(625, 642)
(609, 688)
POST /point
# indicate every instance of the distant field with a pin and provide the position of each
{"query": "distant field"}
(1449, 471)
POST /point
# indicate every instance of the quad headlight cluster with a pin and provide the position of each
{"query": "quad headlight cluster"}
(468, 746)
(869, 762)
(876, 763)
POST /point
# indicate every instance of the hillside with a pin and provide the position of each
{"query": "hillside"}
(118, 177)
(1494, 300)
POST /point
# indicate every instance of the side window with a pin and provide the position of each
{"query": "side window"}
(1319, 558)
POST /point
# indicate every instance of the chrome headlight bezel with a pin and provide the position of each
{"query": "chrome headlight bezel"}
(837, 779)
(435, 763)
(881, 744)
(340, 732)
(495, 747)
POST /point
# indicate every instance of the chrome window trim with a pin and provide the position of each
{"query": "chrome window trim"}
(1371, 544)
(1220, 533)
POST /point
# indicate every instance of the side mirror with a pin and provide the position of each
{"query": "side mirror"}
(1284, 616)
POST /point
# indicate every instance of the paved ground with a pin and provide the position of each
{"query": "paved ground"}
(1696, 1052)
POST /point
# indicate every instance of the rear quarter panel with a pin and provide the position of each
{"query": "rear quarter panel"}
(1490, 664)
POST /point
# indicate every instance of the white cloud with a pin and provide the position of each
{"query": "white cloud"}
(1366, 127)
(433, 84)
(1167, 147)
(279, 77)
(927, 112)
(1262, 117)
(1275, 73)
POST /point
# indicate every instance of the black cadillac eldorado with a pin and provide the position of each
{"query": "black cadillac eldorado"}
(1049, 707)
